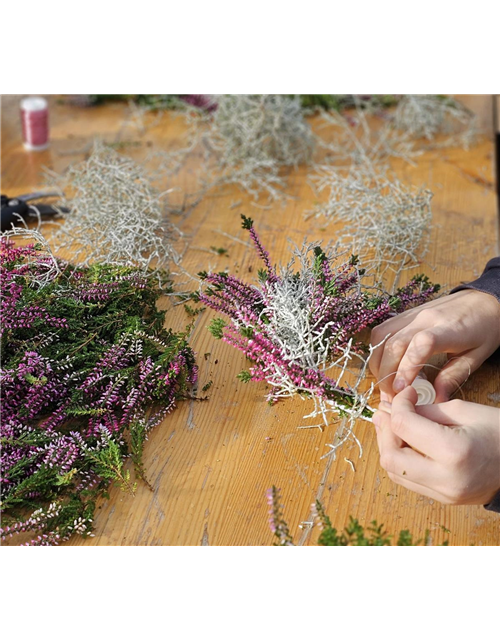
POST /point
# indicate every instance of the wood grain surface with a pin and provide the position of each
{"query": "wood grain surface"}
(210, 463)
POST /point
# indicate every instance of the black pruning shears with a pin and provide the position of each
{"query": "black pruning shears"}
(13, 209)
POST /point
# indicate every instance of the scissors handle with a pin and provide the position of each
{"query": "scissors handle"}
(13, 208)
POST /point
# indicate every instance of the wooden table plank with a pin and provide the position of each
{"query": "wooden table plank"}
(211, 463)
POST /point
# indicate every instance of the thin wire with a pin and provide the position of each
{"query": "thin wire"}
(432, 367)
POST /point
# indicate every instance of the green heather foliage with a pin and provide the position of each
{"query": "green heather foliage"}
(88, 369)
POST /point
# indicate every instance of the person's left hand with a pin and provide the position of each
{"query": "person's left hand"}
(448, 451)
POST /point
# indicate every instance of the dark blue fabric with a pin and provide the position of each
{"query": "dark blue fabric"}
(494, 504)
(488, 282)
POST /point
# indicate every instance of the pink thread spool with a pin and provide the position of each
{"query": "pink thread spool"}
(35, 123)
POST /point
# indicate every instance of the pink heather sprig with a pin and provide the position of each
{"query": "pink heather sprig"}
(276, 522)
(297, 325)
(262, 252)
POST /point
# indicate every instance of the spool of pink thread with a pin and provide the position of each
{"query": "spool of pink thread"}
(35, 123)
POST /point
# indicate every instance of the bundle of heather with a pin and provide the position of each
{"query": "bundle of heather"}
(87, 371)
(298, 325)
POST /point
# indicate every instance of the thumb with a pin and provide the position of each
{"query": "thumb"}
(406, 400)
(453, 375)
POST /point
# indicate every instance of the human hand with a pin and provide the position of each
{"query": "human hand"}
(465, 325)
(449, 451)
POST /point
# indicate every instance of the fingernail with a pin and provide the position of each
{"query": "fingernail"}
(442, 394)
(376, 419)
(386, 406)
(441, 399)
(399, 384)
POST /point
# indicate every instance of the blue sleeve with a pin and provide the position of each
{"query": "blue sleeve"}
(494, 504)
(488, 282)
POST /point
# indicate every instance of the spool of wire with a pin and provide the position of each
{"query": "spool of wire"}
(35, 123)
(425, 391)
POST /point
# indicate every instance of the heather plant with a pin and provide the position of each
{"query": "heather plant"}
(277, 522)
(87, 371)
(206, 102)
(298, 325)
(150, 102)
(338, 102)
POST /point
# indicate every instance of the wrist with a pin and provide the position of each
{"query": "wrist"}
(488, 307)
(489, 299)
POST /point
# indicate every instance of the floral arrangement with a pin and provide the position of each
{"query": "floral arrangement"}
(88, 369)
(297, 325)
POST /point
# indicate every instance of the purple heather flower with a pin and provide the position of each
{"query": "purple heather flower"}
(204, 102)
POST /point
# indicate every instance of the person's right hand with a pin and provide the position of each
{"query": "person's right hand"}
(449, 451)
(465, 325)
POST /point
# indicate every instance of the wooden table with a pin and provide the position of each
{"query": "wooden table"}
(210, 463)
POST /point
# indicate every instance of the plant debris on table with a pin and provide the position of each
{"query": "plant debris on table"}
(354, 534)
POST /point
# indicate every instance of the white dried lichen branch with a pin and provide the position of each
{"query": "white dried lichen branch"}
(261, 127)
(387, 223)
(250, 140)
(38, 277)
(113, 214)
(352, 139)
(432, 116)
(247, 141)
